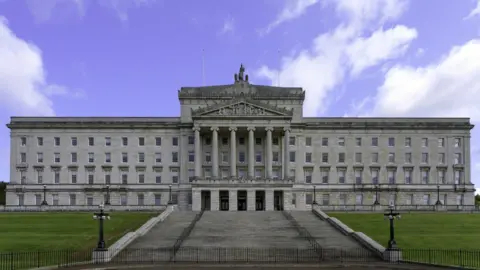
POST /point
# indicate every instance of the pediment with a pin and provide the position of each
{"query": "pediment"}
(242, 108)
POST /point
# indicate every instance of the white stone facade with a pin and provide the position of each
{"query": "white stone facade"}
(277, 158)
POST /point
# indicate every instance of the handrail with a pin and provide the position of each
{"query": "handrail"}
(304, 233)
(185, 233)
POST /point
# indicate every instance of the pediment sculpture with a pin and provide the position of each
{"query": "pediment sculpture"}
(242, 109)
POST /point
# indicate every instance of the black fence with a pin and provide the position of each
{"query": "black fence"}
(469, 259)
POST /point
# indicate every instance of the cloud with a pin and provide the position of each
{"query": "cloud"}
(292, 10)
(121, 7)
(336, 54)
(474, 12)
(43, 10)
(23, 86)
(228, 26)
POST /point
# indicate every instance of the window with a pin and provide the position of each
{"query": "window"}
(374, 157)
(374, 141)
(174, 173)
(359, 199)
(424, 142)
(241, 157)
(23, 157)
(21, 199)
(409, 199)
(141, 157)
(174, 157)
(308, 176)
(123, 199)
(40, 157)
(441, 142)
(341, 141)
(391, 176)
(191, 175)
(408, 142)
(341, 176)
(56, 175)
(74, 141)
(89, 201)
(191, 156)
(358, 157)
(325, 199)
(292, 173)
(457, 142)
(38, 199)
(425, 158)
(158, 141)
(124, 141)
(308, 198)
(90, 177)
(108, 178)
(308, 157)
(308, 141)
(174, 198)
(341, 157)
(91, 157)
(158, 199)
(258, 156)
(275, 156)
(23, 141)
(375, 173)
(457, 175)
(392, 199)
(124, 178)
(141, 178)
(324, 141)
(408, 158)
(441, 158)
(158, 177)
(191, 140)
(258, 173)
(40, 141)
(141, 141)
(325, 157)
(292, 156)
(175, 141)
(258, 141)
(56, 141)
(39, 176)
(241, 141)
(73, 199)
(391, 142)
(291, 140)
(391, 157)
(108, 158)
(55, 199)
(108, 141)
(358, 177)
(324, 174)
(91, 141)
(73, 177)
(241, 173)
(441, 177)
(158, 157)
(408, 176)
(124, 157)
(426, 199)
(224, 155)
(425, 176)
(459, 199)
(275, 173)
(343, 199)
(275, 140)
(444, 200)
(457, 159)
(56, 157)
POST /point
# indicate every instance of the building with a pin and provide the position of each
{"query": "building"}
(240, 147)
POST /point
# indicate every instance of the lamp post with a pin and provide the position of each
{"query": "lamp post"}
(107, 199)
(101, 216)
(391, 215)
(438, 203)
(314, 195)
(170, 194)
(376, 196)
(44, 202)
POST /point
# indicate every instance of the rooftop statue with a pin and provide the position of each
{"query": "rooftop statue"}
(239, 76)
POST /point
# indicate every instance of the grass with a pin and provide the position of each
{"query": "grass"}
(39, 239)
(435, 233)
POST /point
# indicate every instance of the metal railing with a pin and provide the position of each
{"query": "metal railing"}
(80, 208)
(186, 232)
(214, 255)
(304, 233)
(405, 208)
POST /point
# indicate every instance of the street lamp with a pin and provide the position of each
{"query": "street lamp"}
(44, 195)
(101, 216)
(314, 195)
(376, 196)
(391, 214)
(170, 194)
(107, 199)
(438, 203)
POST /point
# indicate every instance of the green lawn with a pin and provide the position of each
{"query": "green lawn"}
(433, 232)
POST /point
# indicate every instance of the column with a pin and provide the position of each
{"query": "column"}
(198, 153)
(196, 200)
(214, 152)
(233, 200)
(268, 160)
(251, 152)
(466, 161)
(233, 152)
(251, 203)
(286, 152)
(214, 200)
(269, 200)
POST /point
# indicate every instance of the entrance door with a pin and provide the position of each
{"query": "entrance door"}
(206, 204)
(278, 200)
(260, 200)
(242, 200)
(224, 200)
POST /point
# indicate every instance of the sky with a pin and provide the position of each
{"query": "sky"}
(130, 57)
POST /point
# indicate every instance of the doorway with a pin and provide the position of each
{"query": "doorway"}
(242, 200)
(224, 200)
(260, 200)
(278, 200)
(206, 200)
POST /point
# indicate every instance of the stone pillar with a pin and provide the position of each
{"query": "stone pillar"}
(286, 152)
(215, 152)
(233, 154)
(269, 154)
(232, 200)
(466, 161)
(251, 152)
(196, 200)
(269, 200)
(214, 200)
(251, 200)
(198, 153)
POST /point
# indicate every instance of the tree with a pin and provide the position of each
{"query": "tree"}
(477, 200)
